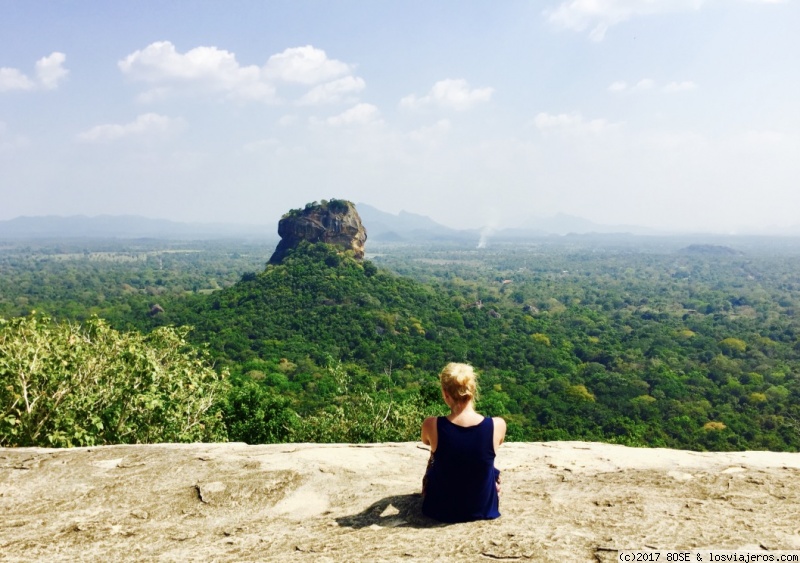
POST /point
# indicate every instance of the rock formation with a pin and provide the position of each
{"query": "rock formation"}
(334, 222)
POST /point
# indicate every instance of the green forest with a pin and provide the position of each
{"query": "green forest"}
(658, 342)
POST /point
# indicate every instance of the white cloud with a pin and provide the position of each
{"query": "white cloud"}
(684, 86)
(618, 86)
(217, 70)
(342, 89)
(449, 93)
(599, 15)
(144, 125)
(161, 61)
(360, 114)
(13, 79)
(210, 67)
(304, 65)
(572, 123)
(49, 72)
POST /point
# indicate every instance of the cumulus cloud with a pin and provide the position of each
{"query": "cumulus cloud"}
(145, 125)
(572, 123)
(13, 79)
(342, 89)
(597, 16)
(451, 94)
(208, 67)
(360, 114)
(50, 72)
(161, 61)
(217, 70)
(304, 65)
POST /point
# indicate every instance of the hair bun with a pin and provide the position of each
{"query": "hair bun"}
(459, 381)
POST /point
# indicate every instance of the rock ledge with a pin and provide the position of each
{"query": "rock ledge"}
(561, 501)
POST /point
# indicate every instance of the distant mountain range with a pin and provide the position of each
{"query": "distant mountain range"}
(405, 226)
(381, 227)
(562, 224)
(125, 226)
(386, 227)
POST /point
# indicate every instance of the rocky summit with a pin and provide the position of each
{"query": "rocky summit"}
(333, 222)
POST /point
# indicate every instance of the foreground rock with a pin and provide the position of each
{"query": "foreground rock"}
(333, 222)
(561, 501)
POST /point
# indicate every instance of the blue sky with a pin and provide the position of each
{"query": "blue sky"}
(673, 114)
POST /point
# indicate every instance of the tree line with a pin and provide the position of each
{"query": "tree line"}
(646, 347)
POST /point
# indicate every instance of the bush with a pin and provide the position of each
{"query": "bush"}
(257, 415)
(65, 384)
(361, 416)
(365, 418)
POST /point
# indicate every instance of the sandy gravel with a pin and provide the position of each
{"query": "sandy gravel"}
(561, 501)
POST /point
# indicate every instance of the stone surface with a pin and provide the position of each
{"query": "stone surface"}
(334, 222)
(561, 501)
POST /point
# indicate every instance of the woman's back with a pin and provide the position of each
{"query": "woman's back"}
(461, 482)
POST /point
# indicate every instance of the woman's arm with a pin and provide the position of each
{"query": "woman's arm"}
(429, 434)
(499, 431)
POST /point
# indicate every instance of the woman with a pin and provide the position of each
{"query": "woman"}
(461, 482)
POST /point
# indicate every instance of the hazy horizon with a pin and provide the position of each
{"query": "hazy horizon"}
(677, 115)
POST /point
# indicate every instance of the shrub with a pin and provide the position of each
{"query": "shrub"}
(365, 418)
(65, 384)
(258, 415)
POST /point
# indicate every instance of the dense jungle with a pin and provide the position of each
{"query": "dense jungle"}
(644, 341)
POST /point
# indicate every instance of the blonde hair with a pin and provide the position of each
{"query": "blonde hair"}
(459, 381)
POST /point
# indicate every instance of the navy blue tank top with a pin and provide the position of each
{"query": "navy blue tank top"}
(461, 480)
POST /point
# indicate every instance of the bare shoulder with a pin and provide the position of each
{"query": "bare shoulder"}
(429, 431)
(499, 430)
(430, 422)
